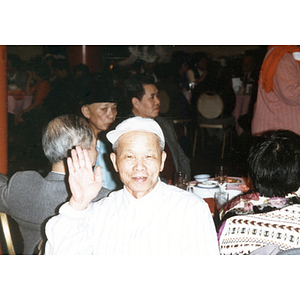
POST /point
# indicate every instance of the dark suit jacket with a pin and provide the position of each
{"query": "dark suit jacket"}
(181, 161)
(31, 200)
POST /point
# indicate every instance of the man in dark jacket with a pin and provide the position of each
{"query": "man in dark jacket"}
(31, 199)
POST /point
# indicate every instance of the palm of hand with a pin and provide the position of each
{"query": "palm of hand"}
(84, 183)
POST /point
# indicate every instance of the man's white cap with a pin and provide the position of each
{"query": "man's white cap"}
(136, 124)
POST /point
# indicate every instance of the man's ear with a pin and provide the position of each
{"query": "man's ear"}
(135, 102)
(85, 111)
(163, 159)
(113, 159)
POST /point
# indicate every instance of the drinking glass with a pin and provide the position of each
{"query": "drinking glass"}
(220, 198)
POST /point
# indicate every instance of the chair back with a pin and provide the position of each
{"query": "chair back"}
(164, 102)
(7, 234)
(210, 105)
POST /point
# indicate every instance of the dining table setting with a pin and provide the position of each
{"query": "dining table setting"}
(218, 190)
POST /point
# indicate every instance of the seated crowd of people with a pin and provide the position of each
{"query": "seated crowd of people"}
(58, 90)
(109, 187)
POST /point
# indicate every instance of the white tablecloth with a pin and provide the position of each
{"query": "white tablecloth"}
(15, 106)
(210, 192)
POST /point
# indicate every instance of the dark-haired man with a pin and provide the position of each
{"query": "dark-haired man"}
(141, 94)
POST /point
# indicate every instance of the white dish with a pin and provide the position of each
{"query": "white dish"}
(210, 184)
(202, 177)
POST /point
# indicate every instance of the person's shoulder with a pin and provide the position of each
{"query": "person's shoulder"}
(287, 59)
(181, 196)
(164, 123)
(21, 175)
(26, 179)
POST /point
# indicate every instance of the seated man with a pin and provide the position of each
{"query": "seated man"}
(146, 217)
(31, 199)
(99, 107)
(141, 93)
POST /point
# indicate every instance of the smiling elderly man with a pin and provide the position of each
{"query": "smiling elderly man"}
(145, 217)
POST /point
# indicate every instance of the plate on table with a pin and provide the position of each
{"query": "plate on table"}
(210, 184)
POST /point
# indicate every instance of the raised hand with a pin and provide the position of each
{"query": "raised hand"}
(84, 183)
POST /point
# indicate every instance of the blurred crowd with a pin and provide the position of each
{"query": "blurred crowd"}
(57, 90)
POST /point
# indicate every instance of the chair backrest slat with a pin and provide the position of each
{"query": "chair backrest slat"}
(7, 233)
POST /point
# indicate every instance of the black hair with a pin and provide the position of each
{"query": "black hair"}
(274, 163)
(134, 87)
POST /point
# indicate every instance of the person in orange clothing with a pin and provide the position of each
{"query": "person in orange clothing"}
(278, 98)
(40, 74)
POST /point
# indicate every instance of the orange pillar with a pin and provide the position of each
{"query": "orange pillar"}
(88, 55)
(3, 111)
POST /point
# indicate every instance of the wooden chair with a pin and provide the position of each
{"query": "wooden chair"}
(210, 106)
(7, 237)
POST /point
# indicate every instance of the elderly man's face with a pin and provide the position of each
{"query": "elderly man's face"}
(100, 115)
(148, 106)
(138, 160)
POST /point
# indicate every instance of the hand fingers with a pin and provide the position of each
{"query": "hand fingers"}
(70, 165)
(81, 158)
(75, 162)
(87, 159)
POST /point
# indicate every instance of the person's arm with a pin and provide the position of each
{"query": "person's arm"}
(190, 76)
(70, 232)
(287, 80)
(199, 232)
(28, 84)
(41, 91)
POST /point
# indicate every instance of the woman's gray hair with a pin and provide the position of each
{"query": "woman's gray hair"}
(116, 143)
(64, 133)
